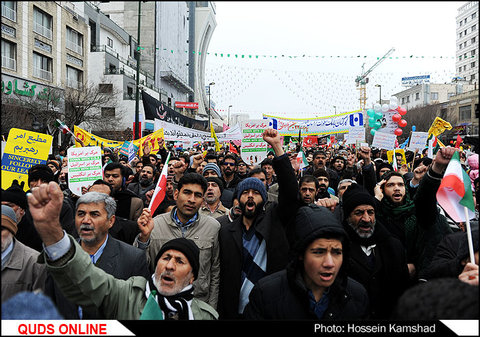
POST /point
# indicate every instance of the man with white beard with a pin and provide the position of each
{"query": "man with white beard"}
(377, 260)
(135, 298)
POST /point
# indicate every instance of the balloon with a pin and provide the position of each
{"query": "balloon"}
(394, 100)
(372, 131)
(402, 111)
(370, 112)
(392, 106)
(377, 125)
(398, 132)
(378, 115)
(371, 121)
(414, 128)
(377, 107)
(396, 118)
(385, 108)
(402, 123)
(451, 142)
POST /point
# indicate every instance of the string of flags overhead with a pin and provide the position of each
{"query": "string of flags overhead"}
(284, 56)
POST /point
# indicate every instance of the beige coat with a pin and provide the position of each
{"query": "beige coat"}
(204, 232)
(220, 211)
(22, 272)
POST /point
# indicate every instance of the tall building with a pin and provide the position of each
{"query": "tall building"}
(174, 38)
(467, 43)
(44, 52)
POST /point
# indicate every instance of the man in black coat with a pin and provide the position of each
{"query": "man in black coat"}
(315, 284)
(94, 217)
(377, 259)
(256, 243)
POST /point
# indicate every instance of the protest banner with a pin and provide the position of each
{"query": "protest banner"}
(175, 132)
(254, 148)
(340, 123)
(84, 167)
(383, 140)
(418, 141)
(23, 150)
(397, 152)
(90, 139)
(355, 134)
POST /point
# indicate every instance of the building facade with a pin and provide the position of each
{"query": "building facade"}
(43, 53)
(467, 42)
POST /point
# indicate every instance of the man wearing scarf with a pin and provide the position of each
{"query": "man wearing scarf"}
(169, 294)
(377, 259)
(416, 222)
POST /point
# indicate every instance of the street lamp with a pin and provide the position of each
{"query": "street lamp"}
(380, 86)
(228, 118)
(335, 107)
(209, 112)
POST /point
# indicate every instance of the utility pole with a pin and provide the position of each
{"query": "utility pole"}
(137, 92)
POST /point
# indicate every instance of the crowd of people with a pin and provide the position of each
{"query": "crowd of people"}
(347, 237)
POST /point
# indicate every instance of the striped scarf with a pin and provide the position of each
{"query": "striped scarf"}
(254, 265)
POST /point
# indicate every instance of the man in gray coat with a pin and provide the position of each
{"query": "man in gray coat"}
(136, 298)
(20, 270)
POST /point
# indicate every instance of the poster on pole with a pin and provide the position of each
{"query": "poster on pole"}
(23, 149)
(355, 134)
(84, 167)
(254, 148)
(383, 140)
(418, 141)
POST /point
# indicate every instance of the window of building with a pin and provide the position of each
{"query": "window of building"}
(465, 112)
(474, 28)
(408, 99)
(474, 15)
(42, 67)
(74, 41)
(108, 112)
(474, 39)
(42, 23)
(9, 55)
(472, 77)
(105, 88)
(460, 35)
(465, 44)
(460, 46)
(110, 42)
(472, 52)
(450, 94)
(74, 78)
(417, 96)
(465, 21)
(9, 10)
(464, 67)
(459, 69)
(434, 96)
(465, 32)
(472, 65)
(403, 100)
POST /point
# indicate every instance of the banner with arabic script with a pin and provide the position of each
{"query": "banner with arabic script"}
(340, 123)
(254, 148)
(84, 167)
(23, 150)
(175, 132)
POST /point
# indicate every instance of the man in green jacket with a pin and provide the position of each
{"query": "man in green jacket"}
(168, 295)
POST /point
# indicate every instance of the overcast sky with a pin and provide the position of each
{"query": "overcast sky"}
(331, 35)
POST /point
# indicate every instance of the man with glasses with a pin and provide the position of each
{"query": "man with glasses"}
(229, 172)
(242, 169)
(377, 260)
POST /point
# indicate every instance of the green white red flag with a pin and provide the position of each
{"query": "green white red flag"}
(301, 160)
(455, 192)
(62, 127)
(160, 189)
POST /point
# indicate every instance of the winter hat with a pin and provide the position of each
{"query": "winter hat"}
(218, 181)
(354, 196)
(187, 247)
(313, 222)
(40, 171)
(252, 183)
(9, 219)
(30, 305)
(212, 166)
(15, 194)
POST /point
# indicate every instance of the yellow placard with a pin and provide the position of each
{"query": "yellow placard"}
(150, 141)
(439, 126)
(397, 152)
(23, 150)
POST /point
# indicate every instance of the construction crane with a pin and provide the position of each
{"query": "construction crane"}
(362, 80)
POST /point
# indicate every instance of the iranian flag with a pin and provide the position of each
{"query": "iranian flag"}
(62, 127)
(160, 189)
(301, 160)
(394, 162)
(455, 192)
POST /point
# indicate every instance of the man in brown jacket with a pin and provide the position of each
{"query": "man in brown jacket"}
(20, 270)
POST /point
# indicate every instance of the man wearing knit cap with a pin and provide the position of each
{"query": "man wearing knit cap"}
(314, 285)
(378, 260)
(212, 170)
(212, 206)
(20, 270)
(256, 243)
(167, 295)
